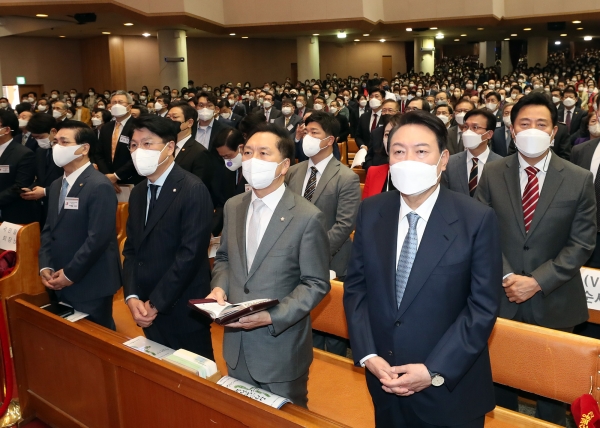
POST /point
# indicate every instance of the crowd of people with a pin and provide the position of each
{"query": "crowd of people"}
(260, 167)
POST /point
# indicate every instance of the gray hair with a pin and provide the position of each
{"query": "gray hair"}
(122, 92)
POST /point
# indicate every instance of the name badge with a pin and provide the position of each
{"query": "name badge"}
(71, 203)
(272, 120)
(124, 139)
(290, 127)
(247, 187)
(4, 169)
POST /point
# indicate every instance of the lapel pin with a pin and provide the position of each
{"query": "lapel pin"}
(282, 218)
(80, 184)
(183, 150)
(174, 190)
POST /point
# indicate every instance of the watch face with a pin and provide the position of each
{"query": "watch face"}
(437, 380)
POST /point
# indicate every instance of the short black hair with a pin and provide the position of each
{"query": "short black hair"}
(210, 96)
(41, 123)
(141, 108)
(188, 111)
(491, 118)
(516, 87)
(9, 119)
(426, 106)
(250, 122)
(20, 108)
(229, 137)
(158, 125)
(448, 106)
(328, 122)
(493, 94)
(376, 89)
(83, 133)
(106, 114)
(165, 98)
(535, 99)
(426, 119)
(284, 142)
(570, 89)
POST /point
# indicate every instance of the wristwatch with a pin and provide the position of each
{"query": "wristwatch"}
(436, 378)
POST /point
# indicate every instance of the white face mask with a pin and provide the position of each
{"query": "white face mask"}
(513, 96)
(30, 100)
(286, 111)
(3, 105)
(23, 123)
(333, 109)
(491, 106)
(299, 104)
(506, 120)
(101, 107)
(311, 145)
(362, 103)
(419, 94)
(146, 161)
(56, 114)
(96, 121)
(79, 103)
(555, 100)
(414, 178)
(204, 114)
(318, 107)
(259, 173)
(225, 115)
(118, 110)
(374, 103)
(69, 115)
(44, 143)
(595, 129)
(533, 142)
(54, 96)
(64, 155)
(471, 139)
(460, 118)
(469, 86)
(403, 97)
(233, 164)
(90, 93)
(569, 102)
(267, 104)
(443, 118)
(158, 106)
(41, 108)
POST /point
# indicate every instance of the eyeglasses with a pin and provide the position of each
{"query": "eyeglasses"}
(473, 128)
(407, 109)
(389, 111)
(146, 145)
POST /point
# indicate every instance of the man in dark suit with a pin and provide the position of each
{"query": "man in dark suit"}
(236, 106)
(42, 129)
(17, 172)
(376, 154)
(79, 256)
(424, 251)
(112, 154)
(288, 120)
(502, 142)
(465, 168)
(301, 108)
(190, 155)
(368, 122)
(568, 113)
(492, 103)
(250, 103)
(25, 136)
(547, 213)
(455, 144)
(166, 252)
(271, 113)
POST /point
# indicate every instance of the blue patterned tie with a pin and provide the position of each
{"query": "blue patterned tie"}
(407, 257)
(63, 195)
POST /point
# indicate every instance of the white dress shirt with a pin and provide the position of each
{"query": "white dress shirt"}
(203, 133)
(481, 160)
(122, 125)
(72, 177)
(271, 201)
(541, 175)
(361, 110)
(4, 146)
(373, 113)
(181, 143)
(595, 161)
(267, 113)
(424, 212)
(320, 169)
(572, 110)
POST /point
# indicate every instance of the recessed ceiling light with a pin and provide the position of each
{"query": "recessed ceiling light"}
(480, 28)
(106, 32)
(463, 35)
(316, 34)
(62, 37)
(128, 24)
(580, 28)
(587, 38)
(409, 29)
(527, 29)
(433, 28)
(513, 35)
(557, 42)
(576, 22)
(439, 36)
(146, 34)
(357, 40)
(341, 35)
(232, 34)
(508, 38)
(366, 35)
(563, 35)
(457, 40)
(41, 15)
(382, 40)
(244, 37)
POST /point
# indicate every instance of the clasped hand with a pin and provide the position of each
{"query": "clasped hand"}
(519, 288)
(142, 312)
(249, 322)
(400, 380)
(54, 280)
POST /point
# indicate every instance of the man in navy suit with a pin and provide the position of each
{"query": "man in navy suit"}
(421, 306)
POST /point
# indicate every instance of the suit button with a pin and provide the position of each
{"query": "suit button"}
(390, 353)
(526, 248)
(397, 323)
(141, 264)
(246, 291)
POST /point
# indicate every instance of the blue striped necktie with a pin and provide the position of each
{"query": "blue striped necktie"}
(407, 257)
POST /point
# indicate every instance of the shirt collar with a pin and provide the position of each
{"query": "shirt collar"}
(124, 121)
(160, 181)
(541, 165)
(482, 158)
(6, 144)
(72, 177)
(424, 211)
(207, 126)
(321, 165)
(183, 141)
(273, 198)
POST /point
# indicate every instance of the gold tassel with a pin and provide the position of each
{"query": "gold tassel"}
(12, 415)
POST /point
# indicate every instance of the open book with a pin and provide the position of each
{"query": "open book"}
(230, 312)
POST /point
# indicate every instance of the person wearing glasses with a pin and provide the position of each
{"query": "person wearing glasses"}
(79, 257)
(112, 152)
(168, 233)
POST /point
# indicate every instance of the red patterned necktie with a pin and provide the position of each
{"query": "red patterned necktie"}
(374, 124)
(473, 177)
(531, 195)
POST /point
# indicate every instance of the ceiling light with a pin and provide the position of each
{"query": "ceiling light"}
(557, 42)
(527, 29)
(513, 35)
(382, 40)
(341, 35)
(232, 34)
(128, 24)
(366, 35)
(580, 28)
(316, 34)
(508, 38)
(357, 40)
(409, 29)
(244, 37)
(41, 15)
(587, 38)
(463, 35)
(433, 28)
(576, 22)
(146, 34)
(480, 28)
(457, 40)
(439, 36)
(563, 35)
(62, 37)
(106, 32)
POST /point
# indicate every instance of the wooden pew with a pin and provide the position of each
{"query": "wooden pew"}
(362, 174)
(80, 374)
(122, 216)
(343, 152)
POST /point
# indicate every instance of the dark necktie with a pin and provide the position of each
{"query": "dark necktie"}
(374, 124)
(531, 195)
(597, 190)
(151, 205)
(311, 185)
(568, 120)
(473, 175)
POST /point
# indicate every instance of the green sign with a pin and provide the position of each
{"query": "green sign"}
(20, 80)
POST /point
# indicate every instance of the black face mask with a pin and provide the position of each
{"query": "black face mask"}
(314, 91)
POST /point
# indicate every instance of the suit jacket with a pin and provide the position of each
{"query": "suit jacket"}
(83, 241)
(239, 109)
(576, 117)
(376, 154)
(376, 178)
(363, 129)
(344, 128)
(166, 261)
(295, 120)
(273, 115)
(302, 112)
(502, 146)
(550, 252)
(455, 144)
(18, 171)
(122, 164)
(46, 172)
(337, 196)
(291, 264)
(582, 154)
(562, 143)
(456, 275)
(456, 176)
(195, 158)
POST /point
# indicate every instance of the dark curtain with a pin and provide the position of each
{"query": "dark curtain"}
(409, 53)
(515, 47)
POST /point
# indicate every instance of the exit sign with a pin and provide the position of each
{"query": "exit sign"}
(20, 80)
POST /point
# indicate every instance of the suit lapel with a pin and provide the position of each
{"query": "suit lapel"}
(279, 222)
(332, 168)
(241, 215)
(461, 172)
(296, 184)
(74, 191)
(436, 240)
(386, 239)
(168, 192)
(186, 149)
(552, 182)
(589, 154)
(513, 187)
(7, 152)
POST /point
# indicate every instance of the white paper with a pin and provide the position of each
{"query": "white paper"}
(216, 310)
(125, 192)
(253, 392)
(359, 158)
(332, 275)
(149, 347)
(215, 242)
(8, 235)
(591, 285)
(77, 316)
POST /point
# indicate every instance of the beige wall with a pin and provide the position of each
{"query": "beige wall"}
(141, 63)
(54, 63)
